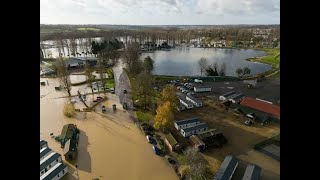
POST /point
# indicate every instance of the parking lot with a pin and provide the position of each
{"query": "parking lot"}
(268, 90)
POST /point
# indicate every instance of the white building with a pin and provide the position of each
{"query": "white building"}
(186, 123)
(186, 132)
(236, 98)
(202, 89)
(194, 100)
(225, 96)
(43, 144)
(55, 173)
(44, 152)
(49, 161)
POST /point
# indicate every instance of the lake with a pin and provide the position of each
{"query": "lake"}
(183, 61)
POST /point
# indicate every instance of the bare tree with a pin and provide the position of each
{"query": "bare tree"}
(90, 77)
(222, 69)
(132, 58)
(203, 64)
(64, 75)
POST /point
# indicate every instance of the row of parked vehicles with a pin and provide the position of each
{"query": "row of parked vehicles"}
(186, 88)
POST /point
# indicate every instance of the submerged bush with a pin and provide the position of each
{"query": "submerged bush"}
(69, 110)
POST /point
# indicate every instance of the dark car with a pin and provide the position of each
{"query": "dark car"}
(156, 150)
(124, 91)
(112, 91)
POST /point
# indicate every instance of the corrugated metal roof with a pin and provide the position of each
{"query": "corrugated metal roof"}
(43, 142)
(54, 171)
(44, 152)
(228, 94)
(195, 127)
(48, 160)
(187, 121)
(227, 168)
(194, 99)
(262, 106)
(252, 172)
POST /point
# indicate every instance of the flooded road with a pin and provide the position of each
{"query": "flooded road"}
(110, 145)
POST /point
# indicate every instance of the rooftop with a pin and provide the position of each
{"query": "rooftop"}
(252, 172)
(48, 160)
(71, 145)
(208, 133)
(195, 127)
(262, 106)
(228, 94)
(43, 142)
(236, 96)
(187, 121)
(49, 175)
(44, 151)
(68, 131)
(172, 141)
(226, 169)
(194, 99)
(196, 140)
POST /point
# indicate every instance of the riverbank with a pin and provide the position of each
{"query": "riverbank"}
(272, 58)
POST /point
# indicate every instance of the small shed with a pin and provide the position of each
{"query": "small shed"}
(197, 142)
(171, 143)
(70, 149)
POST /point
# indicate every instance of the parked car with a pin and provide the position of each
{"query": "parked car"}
(156, 150)
(124, 91)
(112, 91)
(99, 98)
(150, 139)
(103, 108)
(72, 101)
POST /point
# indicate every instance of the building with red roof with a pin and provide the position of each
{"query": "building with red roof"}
(263, 106)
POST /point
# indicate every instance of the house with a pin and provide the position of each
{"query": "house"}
(188, 131)
(252, 172)
(44, 152)
(266, 107)
(236, 98)
(186, 123)
(197, 142)
(43, 144)
(201, 88)
(56, 172)
(48, 162)
(185, 102)
(70, 149)
(227, 168)
(225, 96)
(171, 143)
(194, 100)
(69, 131)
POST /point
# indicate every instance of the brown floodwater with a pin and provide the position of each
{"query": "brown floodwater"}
(110, 146)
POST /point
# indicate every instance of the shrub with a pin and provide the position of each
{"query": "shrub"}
(69, 110)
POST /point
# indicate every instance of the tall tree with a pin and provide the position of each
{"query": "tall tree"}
(64, 75)
(142, 89)
(148, 64)
(164, 117)
(239, 71)
(168, 94)
(132, 58)
(203, 64)
(90, 77)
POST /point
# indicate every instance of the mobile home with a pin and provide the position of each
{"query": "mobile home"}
(56, 172)
(43, 144)
(186, 123)
(48, 162)
(188, 131)
(44, 152)
(197, 142)
(252, 172)
(225, 96)
(194, 100)
(202, 89)
(236, 98)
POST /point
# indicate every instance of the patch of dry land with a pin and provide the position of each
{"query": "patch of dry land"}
(110, 146)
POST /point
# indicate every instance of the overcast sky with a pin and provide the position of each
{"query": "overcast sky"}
(160, 12)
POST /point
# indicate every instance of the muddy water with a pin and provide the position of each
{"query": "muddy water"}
(109, 148)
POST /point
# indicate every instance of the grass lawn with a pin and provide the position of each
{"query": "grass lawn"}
(144, 116)
(109, 83)
(181, 158)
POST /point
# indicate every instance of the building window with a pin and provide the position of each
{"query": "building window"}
(63, 171)
(57, 160)
(50, 166)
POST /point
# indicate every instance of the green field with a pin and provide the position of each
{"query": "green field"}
(88, 29)
(109, 83)
(144, 116)
(273, 57)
